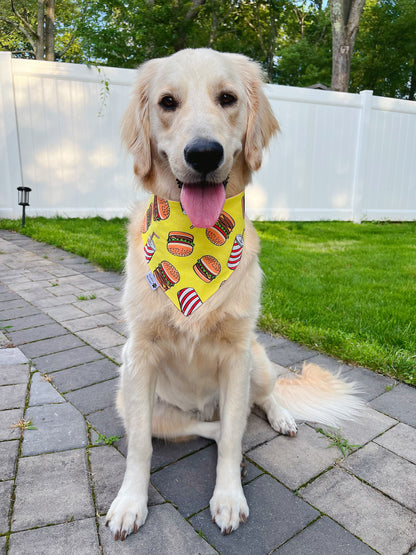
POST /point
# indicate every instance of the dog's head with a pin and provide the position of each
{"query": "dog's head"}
(198, 119)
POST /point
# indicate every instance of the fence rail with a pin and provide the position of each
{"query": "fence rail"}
(339, 156)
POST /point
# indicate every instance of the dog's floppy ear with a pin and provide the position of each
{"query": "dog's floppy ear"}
(261, 123)
(135, 125)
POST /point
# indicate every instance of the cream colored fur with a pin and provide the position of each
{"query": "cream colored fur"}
(180, 372)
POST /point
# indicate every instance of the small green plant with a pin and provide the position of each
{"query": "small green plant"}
(389, 387)
(338, 441)
(54, 284)
(5, 327)
(104, 91)
(23, 424)
(87, 297)
(45, 256)
(108, 440)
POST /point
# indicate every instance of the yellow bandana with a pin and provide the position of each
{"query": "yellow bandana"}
(187, 262)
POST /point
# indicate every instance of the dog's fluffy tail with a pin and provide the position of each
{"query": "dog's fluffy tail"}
(317, 395)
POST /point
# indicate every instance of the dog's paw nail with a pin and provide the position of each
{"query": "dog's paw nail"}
(117, 536)
(243, 517)
(123, 535)
(135, 529)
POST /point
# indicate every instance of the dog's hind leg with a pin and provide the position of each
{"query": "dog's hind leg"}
(263, 380)
(170, 422)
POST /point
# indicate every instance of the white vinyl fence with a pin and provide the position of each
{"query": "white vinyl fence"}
(339, 156)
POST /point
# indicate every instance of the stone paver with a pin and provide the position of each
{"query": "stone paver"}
(62, 313)
(369, 425)
(95, 306)
(66, 359)
(53, 345)
(58, 428)
(379, 521)
(5, 496)
(326, 538)
(107, 421)
(35, 334)
(189, 483)
(29, 322)
(12, 396)
(12, 355)
(57, 481)
(113, 353)
(275, 516)
(258, 431)
(107, 470)
(8, 456)
(164, 531)
(94, 397)
(400, 440)
(84, 375)
(288, 353)
(296, 462)
(42, 392)
(8, 418)
(78, 536)
(385, 471)
(13, 374)
(89, 322)
(52, 488)
(371, 384)
(102, 338)
(398, 403)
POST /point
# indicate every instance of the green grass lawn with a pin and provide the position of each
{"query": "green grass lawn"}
(348, 290)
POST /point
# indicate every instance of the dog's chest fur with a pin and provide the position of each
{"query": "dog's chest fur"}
(190, 350)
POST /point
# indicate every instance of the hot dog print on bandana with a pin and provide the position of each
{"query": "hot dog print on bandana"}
(189, 263)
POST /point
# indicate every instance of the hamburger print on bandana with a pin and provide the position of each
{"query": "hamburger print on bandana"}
(188, 263)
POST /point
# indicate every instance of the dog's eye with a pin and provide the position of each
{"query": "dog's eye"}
(167, 102)
(227, 99)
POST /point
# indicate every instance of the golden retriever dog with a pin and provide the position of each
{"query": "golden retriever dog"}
(197, 124)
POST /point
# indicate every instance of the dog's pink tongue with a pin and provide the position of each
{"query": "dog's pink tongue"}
(203, 203)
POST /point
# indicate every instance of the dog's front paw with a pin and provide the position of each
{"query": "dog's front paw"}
(228, 508)
(126, 514)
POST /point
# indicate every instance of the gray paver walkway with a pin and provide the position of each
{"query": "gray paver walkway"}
(59, 359)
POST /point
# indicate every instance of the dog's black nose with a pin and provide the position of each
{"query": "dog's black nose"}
(203, 155)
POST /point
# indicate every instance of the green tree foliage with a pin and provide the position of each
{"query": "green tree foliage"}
(19, 29)
(292, 39)
(304, 59)
(124, 34)
(385, 55)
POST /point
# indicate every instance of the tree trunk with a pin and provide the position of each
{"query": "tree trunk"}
(40, 40)
(49, 31)
(345, 18)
